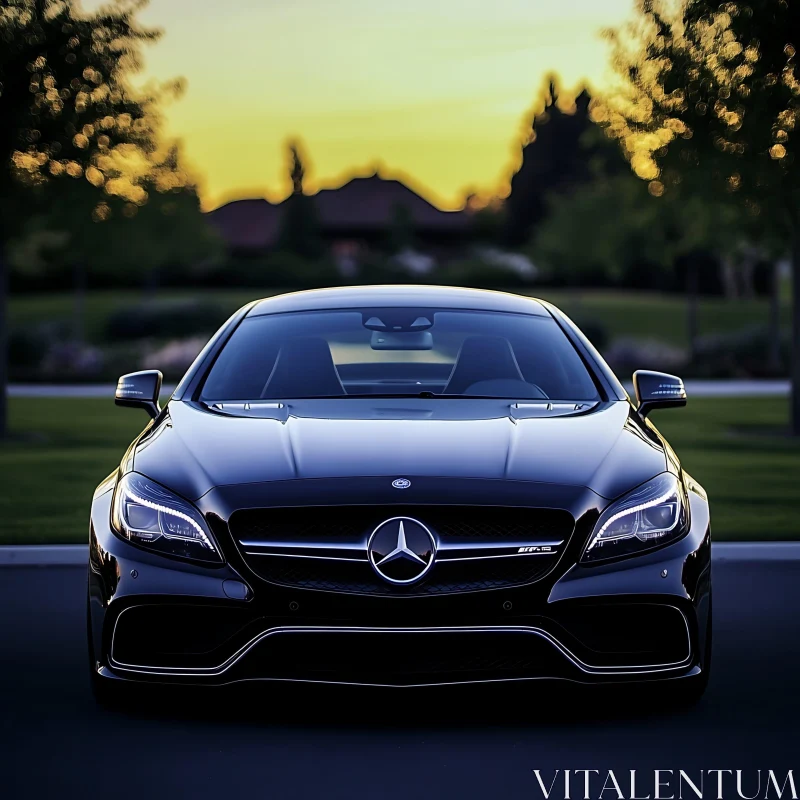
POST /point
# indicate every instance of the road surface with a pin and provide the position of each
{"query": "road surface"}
(411, 744)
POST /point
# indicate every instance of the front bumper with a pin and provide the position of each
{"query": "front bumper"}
(158, 620)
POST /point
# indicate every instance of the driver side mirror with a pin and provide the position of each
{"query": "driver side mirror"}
(140, 390)
(657, 390)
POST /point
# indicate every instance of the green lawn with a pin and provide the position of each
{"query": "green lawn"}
(637, 314)
(49, 476)
(48, 479)
(739, 450)
(101, 304)
(650, 315)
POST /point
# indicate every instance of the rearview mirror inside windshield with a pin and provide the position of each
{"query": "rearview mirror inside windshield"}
(392, 340)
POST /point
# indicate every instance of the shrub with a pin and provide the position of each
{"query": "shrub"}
(739, 354)
(594, 330)
(174, 357)
(70, 360)
(162, 319)
(476, 273)
(625, 355)
(28, 345)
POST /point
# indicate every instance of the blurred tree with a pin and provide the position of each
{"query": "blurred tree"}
(297, 172)
(487, 218)
(123, 237)
(169, 230)
(401, 229)
(69, 113)
(300, 231)
(614, 228)
(555, 160)
(597, 231)
(69, 231)
(709, 101)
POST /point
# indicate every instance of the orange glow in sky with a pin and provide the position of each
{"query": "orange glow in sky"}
(434, 89)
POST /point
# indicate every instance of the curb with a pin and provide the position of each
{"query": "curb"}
(755, 551)
(44, 555)
(694, 388)
(83, 390)
(70, 555)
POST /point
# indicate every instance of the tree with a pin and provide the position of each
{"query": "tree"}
(615, 228)
(112, 234)
(300, 232)
(297, 171)
(615, 216)
(709, 104)
(555, 159)
(69, 113)
(401, 229)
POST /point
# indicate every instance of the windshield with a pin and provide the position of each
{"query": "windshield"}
(398, 352)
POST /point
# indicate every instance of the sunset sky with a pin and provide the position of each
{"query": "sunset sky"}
(433, 89)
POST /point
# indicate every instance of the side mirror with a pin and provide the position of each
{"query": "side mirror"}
(140, 390)
(657, 390)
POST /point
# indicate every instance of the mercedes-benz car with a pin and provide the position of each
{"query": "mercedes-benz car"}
(399, 486)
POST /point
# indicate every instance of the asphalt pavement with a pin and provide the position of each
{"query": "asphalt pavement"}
(300, 742)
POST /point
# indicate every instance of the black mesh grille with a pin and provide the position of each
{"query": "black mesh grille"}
(444, 577)
(451, 523)
(399, 658)
(353, 525)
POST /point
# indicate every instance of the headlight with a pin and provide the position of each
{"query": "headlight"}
(653, 514)
(154, 518)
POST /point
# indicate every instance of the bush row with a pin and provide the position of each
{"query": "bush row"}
(168, 335)
(281, 270)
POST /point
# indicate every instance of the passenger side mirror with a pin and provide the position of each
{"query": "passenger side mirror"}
(140, 390)
(657, 390)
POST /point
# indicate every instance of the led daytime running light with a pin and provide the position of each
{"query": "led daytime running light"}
(632, 510)
(166, 510)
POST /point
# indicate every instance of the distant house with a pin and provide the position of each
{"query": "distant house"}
(360, 214)
(247, 227)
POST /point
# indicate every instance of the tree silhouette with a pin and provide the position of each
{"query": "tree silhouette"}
(69, 113)
(556, 159)
(300, 230)
(297, 172)
(709, 107)
(401, 229)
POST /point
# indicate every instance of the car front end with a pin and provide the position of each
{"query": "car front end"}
(399, 540)
(286, 582)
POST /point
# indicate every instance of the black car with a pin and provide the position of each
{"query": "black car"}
(399, 486)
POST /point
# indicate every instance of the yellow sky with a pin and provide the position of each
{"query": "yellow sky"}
(434, 89)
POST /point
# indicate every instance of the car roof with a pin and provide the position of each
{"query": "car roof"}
(398, 295)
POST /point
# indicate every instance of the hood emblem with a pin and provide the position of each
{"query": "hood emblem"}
(401, 550)
(401, 483)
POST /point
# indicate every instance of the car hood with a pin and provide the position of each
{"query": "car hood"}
(601, 447)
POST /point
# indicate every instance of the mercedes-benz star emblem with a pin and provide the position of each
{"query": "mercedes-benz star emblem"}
(401, 550)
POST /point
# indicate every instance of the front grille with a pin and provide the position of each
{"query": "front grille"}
(351, 527)
(405, 658)
(359, 577)
(451, 523)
